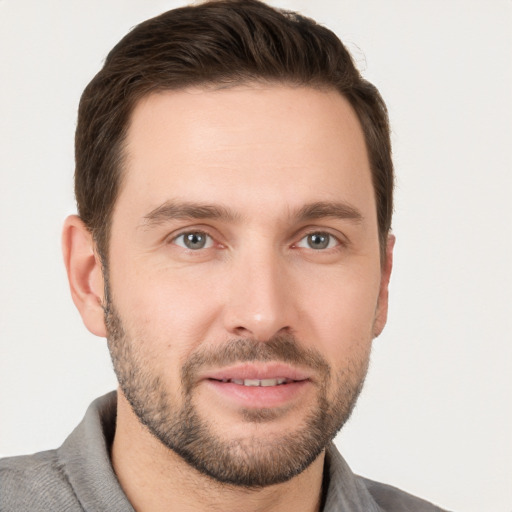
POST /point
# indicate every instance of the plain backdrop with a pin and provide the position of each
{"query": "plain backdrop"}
(435, 417)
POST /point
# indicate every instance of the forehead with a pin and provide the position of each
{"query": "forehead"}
(273, 143)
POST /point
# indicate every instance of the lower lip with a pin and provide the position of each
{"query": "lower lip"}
(258, 397)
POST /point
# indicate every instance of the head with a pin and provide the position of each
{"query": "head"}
(234, 185)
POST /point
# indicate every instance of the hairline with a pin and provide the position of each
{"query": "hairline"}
(103, 242)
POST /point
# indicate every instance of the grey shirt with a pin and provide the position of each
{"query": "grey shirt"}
(79, 476)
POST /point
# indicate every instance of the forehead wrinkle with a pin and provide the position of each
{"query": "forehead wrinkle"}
(187, 210)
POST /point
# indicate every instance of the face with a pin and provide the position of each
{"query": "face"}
(245, 283)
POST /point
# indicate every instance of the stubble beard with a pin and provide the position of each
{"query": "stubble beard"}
(250, 462)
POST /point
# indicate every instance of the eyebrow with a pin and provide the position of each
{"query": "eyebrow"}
(325, 209)
(187, 210)
(171, 210)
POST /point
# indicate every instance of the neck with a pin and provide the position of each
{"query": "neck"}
(155, 479)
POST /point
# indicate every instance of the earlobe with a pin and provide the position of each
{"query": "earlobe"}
(382, 305)
(85, 274)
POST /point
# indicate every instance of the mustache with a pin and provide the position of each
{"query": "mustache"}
(283, 348)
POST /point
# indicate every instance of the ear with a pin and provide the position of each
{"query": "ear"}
(381, 315)
(85, 274)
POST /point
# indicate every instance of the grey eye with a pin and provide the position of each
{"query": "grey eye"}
(194, 240)
(318, 241)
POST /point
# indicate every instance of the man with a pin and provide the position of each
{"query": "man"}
(234, 187)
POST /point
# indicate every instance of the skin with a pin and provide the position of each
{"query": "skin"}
(262, 153)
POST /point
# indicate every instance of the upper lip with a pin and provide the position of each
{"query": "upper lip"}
(271, 370)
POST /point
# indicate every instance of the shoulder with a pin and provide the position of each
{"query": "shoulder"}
(35, 482)
(392, 499)
(347, 491)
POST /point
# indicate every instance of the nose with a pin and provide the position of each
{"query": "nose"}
(260, 300)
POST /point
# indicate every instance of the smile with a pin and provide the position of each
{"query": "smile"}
(258, 382)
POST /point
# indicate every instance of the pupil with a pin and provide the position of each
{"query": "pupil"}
(195, 241)
(318, 241)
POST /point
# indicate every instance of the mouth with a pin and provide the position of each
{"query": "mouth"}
(254, 385)
(256, 374)
(279, 381)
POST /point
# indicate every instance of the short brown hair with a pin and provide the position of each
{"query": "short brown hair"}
(220, 42)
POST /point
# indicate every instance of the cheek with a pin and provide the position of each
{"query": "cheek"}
(169, 310)
(341, 312)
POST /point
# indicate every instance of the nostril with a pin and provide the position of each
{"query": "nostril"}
(242, 331)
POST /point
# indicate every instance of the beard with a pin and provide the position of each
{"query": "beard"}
(250, 462)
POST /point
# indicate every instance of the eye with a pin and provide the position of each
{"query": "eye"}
(318, 241)
(194, 240)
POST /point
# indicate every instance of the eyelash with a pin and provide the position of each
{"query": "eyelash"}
(322, 234)
(198, 233)
(209, 242)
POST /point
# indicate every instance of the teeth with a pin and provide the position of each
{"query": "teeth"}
(258, 382)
